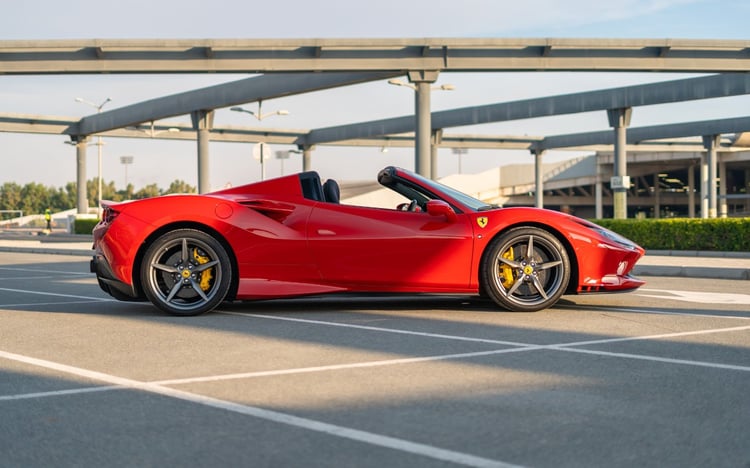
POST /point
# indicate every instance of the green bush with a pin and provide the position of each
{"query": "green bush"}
(720, 234)
(84, 226)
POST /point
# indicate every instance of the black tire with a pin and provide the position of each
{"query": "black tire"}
(526, 269)
(186, 272)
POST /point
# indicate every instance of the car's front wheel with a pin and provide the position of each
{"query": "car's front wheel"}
(525, 269)
(186, 272)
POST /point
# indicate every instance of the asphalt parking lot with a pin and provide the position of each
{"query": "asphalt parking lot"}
(658, 377)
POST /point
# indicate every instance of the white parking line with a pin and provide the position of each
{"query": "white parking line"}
(645, 357)
(40, 293)
(335, 367)
(29, 304)
(380, 329)
(557, 347)
(700, 297)
(648, 312)
(37, 270)
(371, 438)
(72, 391)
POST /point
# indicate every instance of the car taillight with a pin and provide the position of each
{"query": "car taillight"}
(109, 214)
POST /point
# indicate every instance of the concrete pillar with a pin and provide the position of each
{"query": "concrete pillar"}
(82, 202)
(306, 157)
(203, 121)
(619, 119)
(704, 187)
(598, 192)
(538, 177)
(437, 138)
(691, 192)
(422, 81)
(657, 197)
(711, 143)
(723, 207)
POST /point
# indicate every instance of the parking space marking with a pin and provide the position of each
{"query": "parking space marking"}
(699, 297)
(370, 438)
(37, 270)
(650, 312)
(572, 346)
(653, 337)
(380, 329)
(646, 357)
(29, 304)
(26, 278)
(335, 367)
(72, 391)
(72, 296)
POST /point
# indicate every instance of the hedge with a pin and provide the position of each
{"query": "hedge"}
(84, 225)
(719, 234)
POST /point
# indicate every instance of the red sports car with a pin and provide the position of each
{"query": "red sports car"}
(291, 236)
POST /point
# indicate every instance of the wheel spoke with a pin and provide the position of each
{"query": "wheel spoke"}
(205, 266)
(530, 248)
(175, 289)
(198, 289)
(509, 262)
(166, 268)
(516, 285)
(548, 265)
(538, 286)
(185, 251)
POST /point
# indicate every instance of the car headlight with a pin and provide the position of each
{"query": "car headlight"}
(614, 237)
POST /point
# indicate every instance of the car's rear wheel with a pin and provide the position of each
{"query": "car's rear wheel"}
(525, 270)
(186, 272)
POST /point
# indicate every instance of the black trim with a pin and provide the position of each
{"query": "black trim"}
(109, 283)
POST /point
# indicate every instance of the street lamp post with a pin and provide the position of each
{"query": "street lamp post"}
(99, 143)
(260, 116)
(126, 161)
(460, 152)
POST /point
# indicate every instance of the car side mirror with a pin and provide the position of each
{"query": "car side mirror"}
(441, 208)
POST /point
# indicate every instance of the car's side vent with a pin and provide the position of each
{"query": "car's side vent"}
(274, 210)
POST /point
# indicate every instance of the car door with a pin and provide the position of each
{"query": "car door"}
(382, 249)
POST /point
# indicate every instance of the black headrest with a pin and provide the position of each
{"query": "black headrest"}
(331, 192)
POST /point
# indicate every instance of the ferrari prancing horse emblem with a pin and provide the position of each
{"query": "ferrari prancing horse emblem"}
(482, 221)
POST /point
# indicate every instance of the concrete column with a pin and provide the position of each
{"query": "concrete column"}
(711, 143)
(704, 187)
(82, 202)
(657, 197)
(538, 177)
(598, 192)
(422, 81)
(691, 192)
(723, 207)
(202, 123)
(437, 138)
(619, 119)
(306, 157)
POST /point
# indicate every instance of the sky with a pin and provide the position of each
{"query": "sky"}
(47, 160)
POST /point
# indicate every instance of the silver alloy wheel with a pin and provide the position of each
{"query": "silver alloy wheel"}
(186, 272)
(527, 269)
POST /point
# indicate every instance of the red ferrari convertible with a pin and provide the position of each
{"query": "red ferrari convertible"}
(291, 236)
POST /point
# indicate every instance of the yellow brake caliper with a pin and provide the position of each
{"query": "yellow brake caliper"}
(506, 272)
(206, 275)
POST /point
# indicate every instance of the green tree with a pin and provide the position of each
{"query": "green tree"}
(180, 186)
(149, 191)
(62, 199)
(35, 198)
(10, 196)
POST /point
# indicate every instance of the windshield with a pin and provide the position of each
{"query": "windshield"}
(469, 201)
